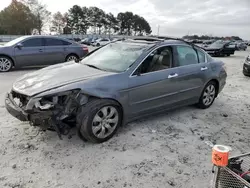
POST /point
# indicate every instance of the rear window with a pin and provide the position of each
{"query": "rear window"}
(186, 55)
(201, 56)
(55, 42)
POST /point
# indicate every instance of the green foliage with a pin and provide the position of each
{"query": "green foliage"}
(42, 15)
(206, 37)
(17, 19)
(82, 19)
(26, 16)
(59, 22)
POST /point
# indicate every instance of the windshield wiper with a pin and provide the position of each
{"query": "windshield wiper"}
(92, 66)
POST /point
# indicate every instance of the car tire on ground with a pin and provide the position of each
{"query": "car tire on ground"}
(98, 120)
(208, 95)
(228, 54)
(6, 64)
(72, 57)
(245, 74)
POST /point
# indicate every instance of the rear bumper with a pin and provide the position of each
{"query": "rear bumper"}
(15, 110)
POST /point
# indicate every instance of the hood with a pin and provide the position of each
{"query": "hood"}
(55, 76)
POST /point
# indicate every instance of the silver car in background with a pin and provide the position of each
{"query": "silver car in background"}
(39, 50)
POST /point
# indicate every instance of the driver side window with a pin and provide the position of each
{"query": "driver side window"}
(35, 42)
(159, 59)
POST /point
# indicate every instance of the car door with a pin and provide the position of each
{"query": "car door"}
(30, 52)
(153, 89)
(54, 50)
(192, 74)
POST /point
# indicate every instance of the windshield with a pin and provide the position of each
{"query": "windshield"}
(115, 57)
(15, 41)
(217, 44)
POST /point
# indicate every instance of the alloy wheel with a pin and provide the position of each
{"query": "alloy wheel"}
(209, 95)
(5, 64)
(72, 58)
(105, 121)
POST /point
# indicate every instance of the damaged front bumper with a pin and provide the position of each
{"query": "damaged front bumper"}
(48, 112)
(13, 109)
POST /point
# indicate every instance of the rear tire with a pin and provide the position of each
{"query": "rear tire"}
(99, 119)
(6, 64)
(208, 95)
(97, 44)
(247, 75)
(72, 57)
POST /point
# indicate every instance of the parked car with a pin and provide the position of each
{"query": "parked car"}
(206, 43)
(116, 84)
(86, 41)
(220, 48)
(241, 46)
(101, 42)
(246, 66)
(39, 50)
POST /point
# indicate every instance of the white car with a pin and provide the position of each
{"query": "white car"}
(101, 42)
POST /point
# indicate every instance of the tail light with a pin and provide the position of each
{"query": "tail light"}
(85, 48)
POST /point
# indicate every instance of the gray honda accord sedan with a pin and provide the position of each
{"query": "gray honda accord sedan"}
(115, 84)
(39, 50)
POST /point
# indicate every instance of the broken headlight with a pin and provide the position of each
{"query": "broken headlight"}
(59, 99)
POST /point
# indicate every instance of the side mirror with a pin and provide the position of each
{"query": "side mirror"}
(19, 46)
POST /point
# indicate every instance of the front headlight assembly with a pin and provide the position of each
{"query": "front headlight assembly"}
(62, 99)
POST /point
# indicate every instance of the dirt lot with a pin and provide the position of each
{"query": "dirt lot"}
(166, 150)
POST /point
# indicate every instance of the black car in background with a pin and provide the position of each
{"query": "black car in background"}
(246, 66)
(220, 48)
(241, 46)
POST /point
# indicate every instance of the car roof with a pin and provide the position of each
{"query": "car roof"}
(158, 43)
(42, 36)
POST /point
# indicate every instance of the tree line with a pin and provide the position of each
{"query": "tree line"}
(27, 17)
(207, 37)
(23, 17)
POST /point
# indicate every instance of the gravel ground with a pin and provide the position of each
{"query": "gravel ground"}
(167, 150)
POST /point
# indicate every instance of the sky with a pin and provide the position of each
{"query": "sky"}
(174, 17)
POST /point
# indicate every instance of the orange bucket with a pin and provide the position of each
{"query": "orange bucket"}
(220, 155)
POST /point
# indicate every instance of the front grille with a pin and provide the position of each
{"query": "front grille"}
(20, 99)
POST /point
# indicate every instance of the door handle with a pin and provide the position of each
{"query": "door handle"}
(40, 50)
(203, 68)
(173, 75)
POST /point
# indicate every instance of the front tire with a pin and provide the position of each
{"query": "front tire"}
(6, 64)
(208, 95)
(99, 120)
